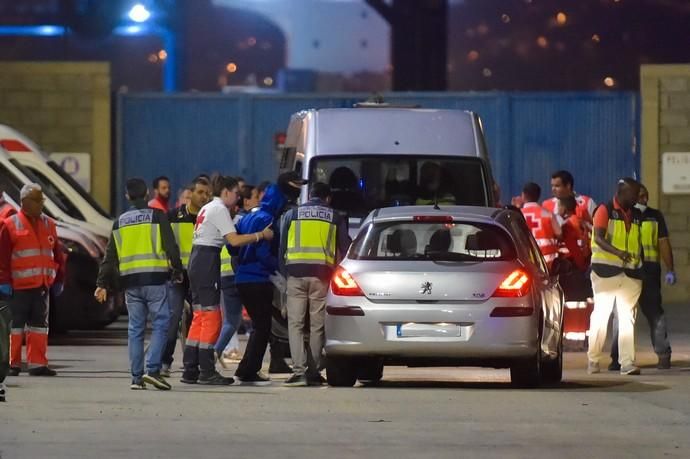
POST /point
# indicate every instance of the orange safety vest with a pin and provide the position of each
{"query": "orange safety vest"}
(539, 220)
(33, 264)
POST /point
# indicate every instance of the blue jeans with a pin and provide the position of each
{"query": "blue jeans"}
(232, 313)
(150, 301)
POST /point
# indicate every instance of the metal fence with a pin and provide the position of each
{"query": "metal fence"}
(529, 135)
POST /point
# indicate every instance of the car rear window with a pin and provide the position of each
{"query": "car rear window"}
(457, 241)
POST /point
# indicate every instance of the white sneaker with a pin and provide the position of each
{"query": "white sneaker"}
(593, 367)
(630, 370)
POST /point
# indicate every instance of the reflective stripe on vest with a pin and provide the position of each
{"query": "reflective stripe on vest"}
(225, 263)
(539, 221)
(650, 240)
(311, 242)
(32, 260)
(622, 239)
(184, 235)
(139, 246)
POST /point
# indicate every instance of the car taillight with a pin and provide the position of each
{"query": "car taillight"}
(342, 284)
(433, 219)
(517, 284)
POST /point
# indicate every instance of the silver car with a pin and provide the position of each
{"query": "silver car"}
(455, 286)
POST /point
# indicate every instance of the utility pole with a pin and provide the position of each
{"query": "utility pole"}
(419, 30)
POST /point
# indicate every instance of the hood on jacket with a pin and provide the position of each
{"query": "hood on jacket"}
(273, 201)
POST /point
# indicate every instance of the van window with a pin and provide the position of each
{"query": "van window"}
(362, 183)
(78, 188)
(51, 191)
(9, 184)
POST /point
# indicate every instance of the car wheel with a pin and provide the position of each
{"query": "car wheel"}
(552, 371)
(341, 372)
(527, 372)
(370, 371)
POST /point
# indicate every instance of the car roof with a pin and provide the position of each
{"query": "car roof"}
(475, 213)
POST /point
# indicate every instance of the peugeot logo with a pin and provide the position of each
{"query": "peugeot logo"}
(426, 288)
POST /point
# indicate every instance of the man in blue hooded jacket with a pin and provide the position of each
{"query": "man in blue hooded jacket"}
(257, 262)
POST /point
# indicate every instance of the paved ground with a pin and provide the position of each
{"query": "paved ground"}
(88, 411)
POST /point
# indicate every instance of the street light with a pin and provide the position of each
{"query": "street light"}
(139, 13)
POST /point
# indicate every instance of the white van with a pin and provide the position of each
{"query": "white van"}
(55, 206)
(377, 156)
(75, 204)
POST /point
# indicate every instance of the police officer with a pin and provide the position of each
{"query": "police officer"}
(316, 240)
(656, 245)
(140, 249)
(182, 221)
(616, 274)
(31, 264)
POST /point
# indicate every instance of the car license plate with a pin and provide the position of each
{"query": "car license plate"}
(437, 330)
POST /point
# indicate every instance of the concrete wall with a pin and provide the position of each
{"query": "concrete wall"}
(666, 128)
(63, 107)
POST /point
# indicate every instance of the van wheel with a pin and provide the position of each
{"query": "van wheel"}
(527, 373)
(370, 371)
(341, 372)
(552, 370)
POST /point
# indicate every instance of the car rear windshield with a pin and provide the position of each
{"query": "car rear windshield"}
(457, 241)
(361, 184)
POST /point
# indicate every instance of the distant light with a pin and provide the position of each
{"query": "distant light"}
(505, 18)
(130, 30)
(153, 58)
(268, 81)
(231, 67)
(487, 72)
(609, 82)
(596, 38)
(482, 29)
(473, 55)
(251, 41)
(139, 13)
(561, 18)
(542, 42)
(162, 54)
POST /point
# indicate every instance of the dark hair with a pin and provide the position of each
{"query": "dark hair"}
(565, 176)
(203, 176)
(246, 192)
(261, 187)
(200, 180)
(222, 182)
(569, 203)
(136, 188)
(532, 191)
(629, 181)
(157, 181)
(320, 190)
(239, 178)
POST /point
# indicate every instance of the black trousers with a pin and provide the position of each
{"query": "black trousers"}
(5, 323)
(258, 299)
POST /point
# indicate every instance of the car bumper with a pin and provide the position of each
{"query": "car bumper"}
(480, 336)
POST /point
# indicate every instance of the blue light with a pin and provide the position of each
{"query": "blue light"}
(139, 13)
(36, 31)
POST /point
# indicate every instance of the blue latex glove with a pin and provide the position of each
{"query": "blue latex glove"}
(6, 290)
(57, 288)
(671, 278)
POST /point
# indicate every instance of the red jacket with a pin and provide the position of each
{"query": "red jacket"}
(159, 203)
(575, 243)
(30, 252)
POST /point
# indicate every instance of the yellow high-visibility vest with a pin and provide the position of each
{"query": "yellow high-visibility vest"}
(312, 237)
(650, 240)
(138, 243)
(184, 234)
(617, 235)
(226, 263)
